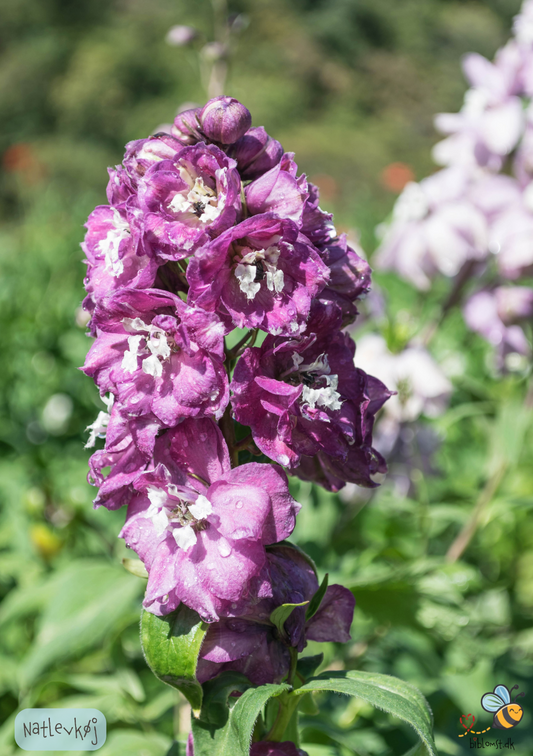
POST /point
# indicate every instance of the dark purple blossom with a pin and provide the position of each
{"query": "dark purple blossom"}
(251, 644)
(261, 272)
(224, 120)
(279, 191)
(256, 153)
(317, 225)
(199, 526)
(159, 356)
(188, 199)
(302, 396)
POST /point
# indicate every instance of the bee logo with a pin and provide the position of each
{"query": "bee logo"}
(507, 713)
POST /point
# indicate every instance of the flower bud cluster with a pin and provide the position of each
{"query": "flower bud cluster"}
(478, 210)
(210, 228)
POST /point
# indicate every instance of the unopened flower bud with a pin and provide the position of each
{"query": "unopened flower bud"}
(186, 127)
(178, 36)
(256, 153)
(224, 120)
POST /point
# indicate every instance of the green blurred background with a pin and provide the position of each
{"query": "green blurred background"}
(351, 86)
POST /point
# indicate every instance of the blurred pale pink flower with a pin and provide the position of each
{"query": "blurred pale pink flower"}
(496, 314)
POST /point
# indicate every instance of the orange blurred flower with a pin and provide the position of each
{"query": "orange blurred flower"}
(21, 158)
(396, 175)
(327, 186)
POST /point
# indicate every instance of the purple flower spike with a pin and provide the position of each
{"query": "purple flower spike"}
(116, 256)
(224, 120)
(202, 538)
(261, 272)
(157, 355)
(189, 199)
(302, 397)
(256, 153)
(252, 645)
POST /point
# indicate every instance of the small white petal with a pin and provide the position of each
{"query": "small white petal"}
(184, 537)
(160, 521)
(201, 508)
(152, 366)
(129, 361)
(246, 277)
(157, 496)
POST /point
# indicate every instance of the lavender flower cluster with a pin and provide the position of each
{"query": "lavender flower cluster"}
(208, 229)
(476, 214)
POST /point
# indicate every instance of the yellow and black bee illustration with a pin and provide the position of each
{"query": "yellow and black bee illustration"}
(507, 713)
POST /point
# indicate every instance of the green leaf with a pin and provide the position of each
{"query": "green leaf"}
(314, 604)
(308, 665)
(384, 692)
(282, 613)
(90, 599)
(171, 646)
(233, 736)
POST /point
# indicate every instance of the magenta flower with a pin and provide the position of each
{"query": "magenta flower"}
(261, 272)
(302, 397)
(279, 191)
(317, 225)
(251, 644)
(128, 452)
(139, 156)
(224, 120)
(256, 153)
(188, 199)
(199, 526)
(158, 355)
(116, 256)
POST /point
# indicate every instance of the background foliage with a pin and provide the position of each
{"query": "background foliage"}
(350, 86)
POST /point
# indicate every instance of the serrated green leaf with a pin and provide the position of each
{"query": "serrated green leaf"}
(234, 737)
(282, 613)
(314, 604)
(384, 692)
(171, 646)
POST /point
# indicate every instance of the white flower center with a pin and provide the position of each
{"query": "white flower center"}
(154, 344)
(312, 375)
(110, 246)
(198, 198)
(99, 427)
(256, 265)
(178, 513)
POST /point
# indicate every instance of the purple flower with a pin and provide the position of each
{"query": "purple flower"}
(317, 225)
(224, 120)
(158, 355)
(511, 235)
(264, 748)
(256, 153)
(186, 127)
(350, 276)
(303, 396)
(201, 527)
(361, 461)
(139, 156)
(261, 272)
(251, 644)
(128, 452)
(278, 191)
(496, 314)
(189, 199)
(116, 256)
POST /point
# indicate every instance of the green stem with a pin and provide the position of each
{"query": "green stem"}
(288, 703)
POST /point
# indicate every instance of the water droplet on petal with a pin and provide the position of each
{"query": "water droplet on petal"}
(239, 504)
(203, 436)
(210, 566)
(224, 549)
(234, 606)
